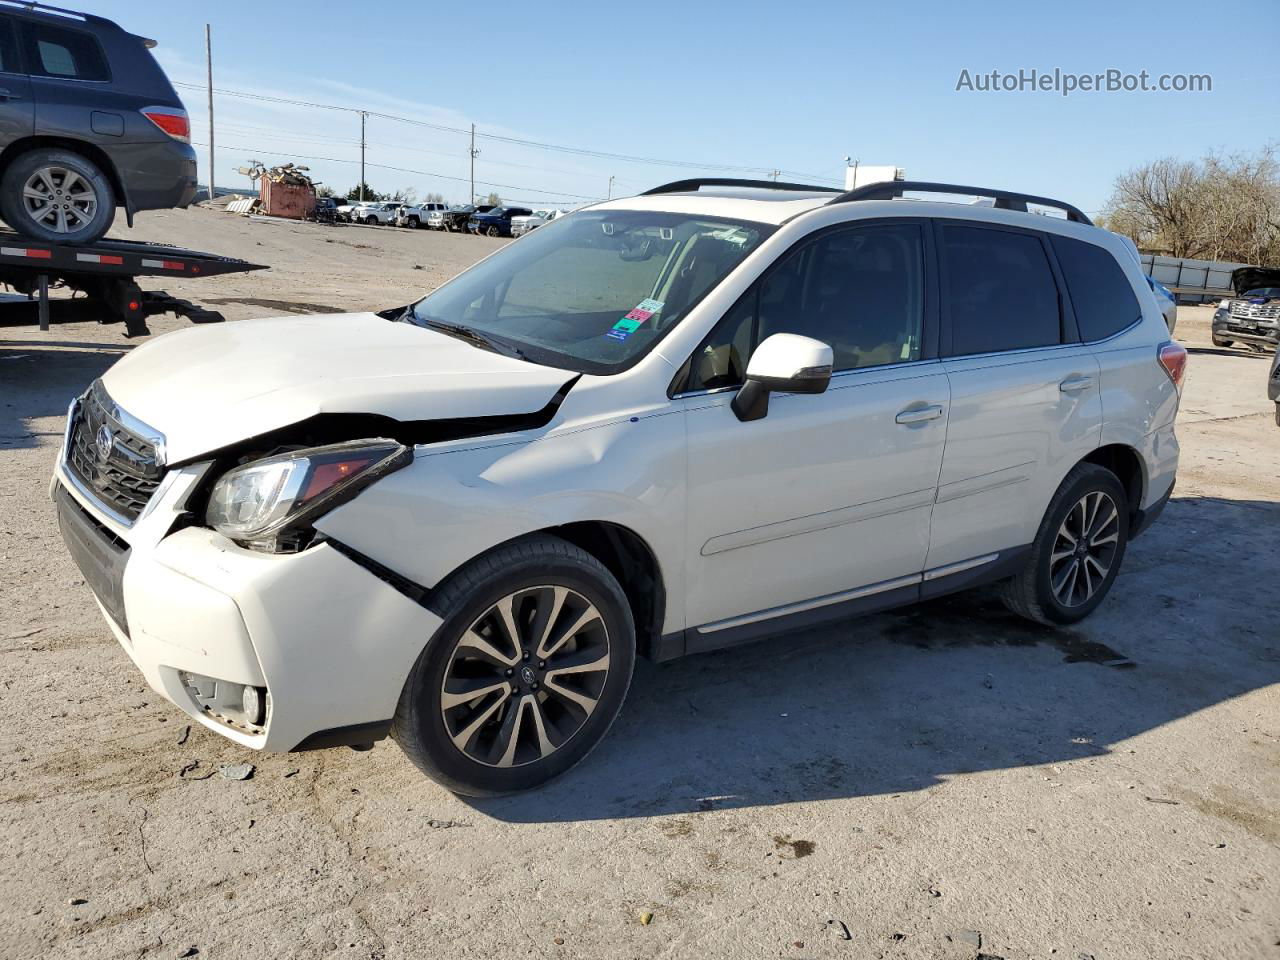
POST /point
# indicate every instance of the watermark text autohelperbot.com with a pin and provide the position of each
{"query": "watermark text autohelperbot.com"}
(1065, 83)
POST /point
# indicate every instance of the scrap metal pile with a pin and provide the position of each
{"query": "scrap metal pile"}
(285, 191)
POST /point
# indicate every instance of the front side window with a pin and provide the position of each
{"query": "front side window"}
(595, 291)
(999, 290)
(63, 54)
(1101, 296)
(859, 290)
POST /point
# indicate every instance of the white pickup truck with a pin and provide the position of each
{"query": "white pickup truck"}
(417, 215)
(522, 225)
(382, 211)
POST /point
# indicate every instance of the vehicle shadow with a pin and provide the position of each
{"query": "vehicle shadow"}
(38, 380)
(899, 702)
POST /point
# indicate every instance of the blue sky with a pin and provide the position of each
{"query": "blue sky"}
(797, 86)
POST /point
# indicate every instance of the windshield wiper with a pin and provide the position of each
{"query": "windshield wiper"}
(473, 337)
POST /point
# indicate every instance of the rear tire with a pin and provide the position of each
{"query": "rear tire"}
(57, 196)
(1077, 551)
(540, 631)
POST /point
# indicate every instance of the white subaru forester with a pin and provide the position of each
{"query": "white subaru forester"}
(662, 425)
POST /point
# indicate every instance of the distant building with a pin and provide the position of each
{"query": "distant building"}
(858, 174)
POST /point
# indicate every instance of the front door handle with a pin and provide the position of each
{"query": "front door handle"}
(919, 414)
(1075, 384)
(6, 94)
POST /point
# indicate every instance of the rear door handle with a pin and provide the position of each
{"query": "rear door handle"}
(1075, 384)
(919, 414)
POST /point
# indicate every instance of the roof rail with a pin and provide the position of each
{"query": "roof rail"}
(31, 6)
(1005, 199)
(687, 186)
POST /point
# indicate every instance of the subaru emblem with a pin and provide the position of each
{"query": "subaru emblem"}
(103, 442)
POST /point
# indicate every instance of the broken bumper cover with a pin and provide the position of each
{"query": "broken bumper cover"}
(331, 642)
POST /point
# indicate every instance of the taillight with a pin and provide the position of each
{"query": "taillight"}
(172, 121)
(1173, 357)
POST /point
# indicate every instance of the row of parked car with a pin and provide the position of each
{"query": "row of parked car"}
(485, 218)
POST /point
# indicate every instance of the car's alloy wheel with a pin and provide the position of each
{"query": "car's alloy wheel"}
(494, 232)
(57, 196)
(1076, 555)
(525, 676)
(1084, 549)
(59, 199)
(526, 671)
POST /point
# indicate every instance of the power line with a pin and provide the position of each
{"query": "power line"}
(518, 141)
(420, 173)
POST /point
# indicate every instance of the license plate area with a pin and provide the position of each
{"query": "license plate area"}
(99, 554)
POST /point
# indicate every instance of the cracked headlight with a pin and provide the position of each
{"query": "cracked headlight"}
(256, 503)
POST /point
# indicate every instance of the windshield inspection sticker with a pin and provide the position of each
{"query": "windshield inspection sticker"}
(629, 324)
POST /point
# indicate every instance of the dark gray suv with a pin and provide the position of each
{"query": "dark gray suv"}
(88, 123)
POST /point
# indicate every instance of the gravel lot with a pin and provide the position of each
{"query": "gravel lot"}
(937, 782)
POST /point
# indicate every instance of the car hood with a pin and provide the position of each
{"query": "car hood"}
(210, 386)
(1250, 278)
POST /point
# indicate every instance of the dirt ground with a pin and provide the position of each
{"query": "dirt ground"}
(939, 782)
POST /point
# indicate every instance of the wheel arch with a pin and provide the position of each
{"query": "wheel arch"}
(633, 564)
(626, 555)
(1127, 464)
(89, 150)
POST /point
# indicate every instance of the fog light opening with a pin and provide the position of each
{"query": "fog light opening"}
(241, 706)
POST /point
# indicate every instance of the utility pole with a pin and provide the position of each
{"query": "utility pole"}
(610, 194)
(474, 153)
(208, 62)
(363, 115)
(774, 175)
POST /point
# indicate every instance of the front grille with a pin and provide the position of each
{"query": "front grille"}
(110, 457)
(1244, 310)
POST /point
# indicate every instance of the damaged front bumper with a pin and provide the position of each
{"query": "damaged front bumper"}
(1263, 333)
(327, 642)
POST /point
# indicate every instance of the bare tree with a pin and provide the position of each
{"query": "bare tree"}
(1217, 208)
(494, 199)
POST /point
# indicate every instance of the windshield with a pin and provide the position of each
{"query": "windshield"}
(1264, 292)
(594, 291)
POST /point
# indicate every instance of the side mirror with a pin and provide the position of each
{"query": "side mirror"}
(785, 362)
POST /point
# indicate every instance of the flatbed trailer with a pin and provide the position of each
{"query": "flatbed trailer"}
(106, 272)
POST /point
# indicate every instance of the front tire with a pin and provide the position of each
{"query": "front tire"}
(1221, 342)
(1077, 552)
(526, 673)
(495, 232)
(57, 196)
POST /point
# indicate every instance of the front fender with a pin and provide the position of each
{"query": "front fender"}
(456, 501)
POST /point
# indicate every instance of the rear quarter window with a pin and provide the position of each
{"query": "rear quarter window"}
(1100, 292)
(63, 54)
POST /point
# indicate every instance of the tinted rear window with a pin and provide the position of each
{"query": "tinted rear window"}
(1100, 292)
(66, 54)
(1000, 291)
